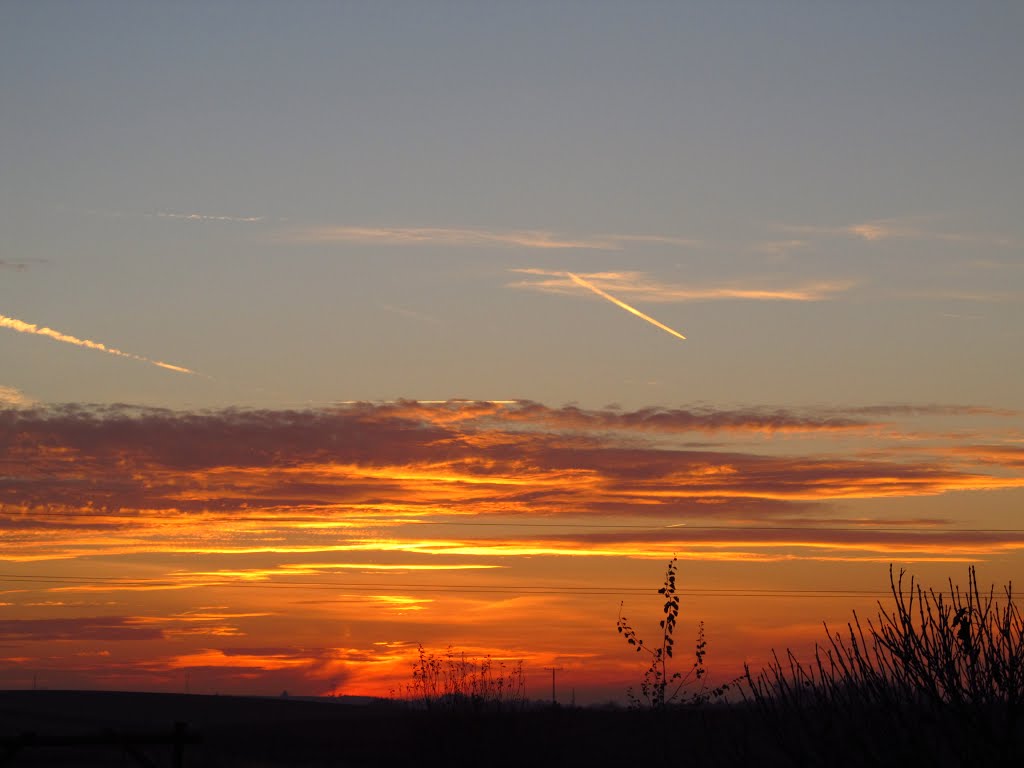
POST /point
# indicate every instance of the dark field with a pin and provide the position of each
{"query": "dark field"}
(237, 731)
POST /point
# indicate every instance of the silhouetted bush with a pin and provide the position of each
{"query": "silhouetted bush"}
(457, 682)
(938, 678)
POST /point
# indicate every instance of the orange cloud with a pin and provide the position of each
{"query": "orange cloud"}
(13, 398)
(1011, 456)
(355, 465)
(639, 287)
(321, 494)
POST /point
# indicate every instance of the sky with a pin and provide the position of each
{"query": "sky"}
(329, 330)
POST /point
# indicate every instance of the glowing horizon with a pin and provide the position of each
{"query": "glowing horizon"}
(202, 544)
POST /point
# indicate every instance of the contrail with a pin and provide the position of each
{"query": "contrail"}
(23, 327)
(590, 286)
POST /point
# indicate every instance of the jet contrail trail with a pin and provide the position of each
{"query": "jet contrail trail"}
(23, 327)
(590, 286)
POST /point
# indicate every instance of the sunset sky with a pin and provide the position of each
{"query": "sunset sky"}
(332, 329)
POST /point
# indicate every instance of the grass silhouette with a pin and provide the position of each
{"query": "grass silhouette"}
(454, 681)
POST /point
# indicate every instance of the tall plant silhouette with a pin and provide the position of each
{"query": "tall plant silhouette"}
(659, 686)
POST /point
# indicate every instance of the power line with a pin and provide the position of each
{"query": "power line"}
(521, 590)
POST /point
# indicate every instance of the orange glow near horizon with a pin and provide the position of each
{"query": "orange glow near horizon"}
(274, 550)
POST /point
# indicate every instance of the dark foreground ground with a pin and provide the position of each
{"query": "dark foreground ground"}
(237, 731)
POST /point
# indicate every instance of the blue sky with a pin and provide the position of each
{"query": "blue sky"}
(172, 177)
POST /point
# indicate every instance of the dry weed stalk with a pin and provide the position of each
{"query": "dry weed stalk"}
(658, 687)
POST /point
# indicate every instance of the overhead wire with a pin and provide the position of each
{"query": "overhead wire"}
(523, 590)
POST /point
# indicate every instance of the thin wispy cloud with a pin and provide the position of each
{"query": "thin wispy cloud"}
(492, 415)
(779, 247)
(412, 314)
(480, 236)
(619, 303)
(640, 287)
(958, 316)
(688, 242)
(13, 398)
(107, 628)
(927, 409)
(877, 230)
(22, 327)
(522, 238)
(1011, 456)
(982, 297)
(206, 217)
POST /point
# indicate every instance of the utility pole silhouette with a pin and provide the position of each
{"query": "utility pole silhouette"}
(554, 699)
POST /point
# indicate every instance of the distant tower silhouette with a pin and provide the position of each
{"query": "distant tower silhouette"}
(554, 698)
